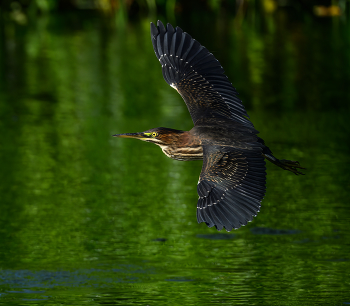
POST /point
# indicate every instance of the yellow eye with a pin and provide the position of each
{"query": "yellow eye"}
(154, 134)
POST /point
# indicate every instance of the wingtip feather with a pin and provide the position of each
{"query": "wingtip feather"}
(161, 27)
(154, 30)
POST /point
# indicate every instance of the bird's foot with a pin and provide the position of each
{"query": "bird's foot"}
(290, 165)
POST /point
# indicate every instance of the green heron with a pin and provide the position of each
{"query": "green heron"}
(231, 185)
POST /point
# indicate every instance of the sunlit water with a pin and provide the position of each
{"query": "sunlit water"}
(88, 219)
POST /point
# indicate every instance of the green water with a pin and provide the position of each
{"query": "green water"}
(87, 219)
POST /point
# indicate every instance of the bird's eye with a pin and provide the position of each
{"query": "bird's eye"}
(154, 134)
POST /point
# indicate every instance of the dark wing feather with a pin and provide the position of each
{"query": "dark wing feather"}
(197, 75)
(231, 186)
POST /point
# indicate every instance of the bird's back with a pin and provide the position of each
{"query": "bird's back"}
(226, 133)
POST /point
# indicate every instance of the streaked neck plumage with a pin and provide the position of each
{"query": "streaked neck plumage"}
(184, 147)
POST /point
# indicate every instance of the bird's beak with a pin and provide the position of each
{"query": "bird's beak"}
(131, 135)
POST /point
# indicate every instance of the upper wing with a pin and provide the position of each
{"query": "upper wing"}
(231, 186)
(197, 75)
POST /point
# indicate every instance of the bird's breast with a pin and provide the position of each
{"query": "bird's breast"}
(184, 153)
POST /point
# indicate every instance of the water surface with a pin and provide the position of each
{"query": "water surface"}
(90, 219)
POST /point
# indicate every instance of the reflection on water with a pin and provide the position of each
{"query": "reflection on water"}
(86, 218)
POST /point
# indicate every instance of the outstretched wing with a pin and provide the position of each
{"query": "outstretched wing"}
(197, 75)
(231, 186)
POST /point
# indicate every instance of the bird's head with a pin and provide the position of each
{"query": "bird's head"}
(159, 136)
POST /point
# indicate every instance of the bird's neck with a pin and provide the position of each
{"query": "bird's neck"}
(185, 147)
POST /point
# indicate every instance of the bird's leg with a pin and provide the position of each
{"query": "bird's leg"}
(285, 164)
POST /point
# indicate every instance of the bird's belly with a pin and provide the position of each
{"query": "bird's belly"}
(189, 153)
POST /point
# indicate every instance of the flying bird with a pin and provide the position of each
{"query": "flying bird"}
(231, 184)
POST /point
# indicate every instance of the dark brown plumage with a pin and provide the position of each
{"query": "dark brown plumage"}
(231, 185)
